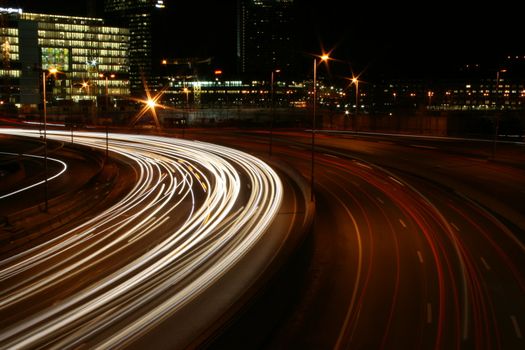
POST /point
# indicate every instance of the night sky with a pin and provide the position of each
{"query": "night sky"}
(396, 39)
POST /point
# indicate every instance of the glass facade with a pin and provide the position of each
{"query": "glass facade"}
(84, 50)
(139, 17)
(9, 69)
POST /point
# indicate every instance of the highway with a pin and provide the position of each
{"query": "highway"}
(196, 211)
(412, 247)
(416, 243)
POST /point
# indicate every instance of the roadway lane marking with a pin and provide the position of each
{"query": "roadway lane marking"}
(425, 147)
(380, 200)
(399, 182)
(330, 155)
(402, 223)
(420, 256)
(364, 165)
(516, 326)
(454, 226)
(484, 262)
(429, 313)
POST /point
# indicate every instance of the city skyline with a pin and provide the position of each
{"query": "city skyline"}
(380, 72)
(379, 38)
(156, 194)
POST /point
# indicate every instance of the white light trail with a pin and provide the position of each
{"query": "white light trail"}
(185, 223)
(53, 176)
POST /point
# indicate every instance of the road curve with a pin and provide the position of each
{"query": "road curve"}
(403, 255)
(195, 212)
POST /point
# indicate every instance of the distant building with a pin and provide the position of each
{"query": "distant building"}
(91, 58)
(475, 87)
(141, 17)
(264, 37)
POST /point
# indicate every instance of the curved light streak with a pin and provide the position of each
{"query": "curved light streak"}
(462, 307)
(186, 222)
(60, 172)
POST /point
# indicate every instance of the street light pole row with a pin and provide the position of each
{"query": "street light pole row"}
(355, 80)
(323, 58)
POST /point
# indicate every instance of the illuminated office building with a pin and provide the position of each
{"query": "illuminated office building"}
(140, 16)
(92, 58)
(264, 36)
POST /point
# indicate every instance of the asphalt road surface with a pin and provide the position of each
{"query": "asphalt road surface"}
(417, 244)
(194, 234)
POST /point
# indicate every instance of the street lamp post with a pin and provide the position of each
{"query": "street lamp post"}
(356, 83)
(187, 91)
(105, 76)
(44, 101)
(85, 85)
(312, 179)
(186, 110)
(44, 77)
(273, 109)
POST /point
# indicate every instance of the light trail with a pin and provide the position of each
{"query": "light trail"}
(60, 172)
(457, 306)
(185, 224)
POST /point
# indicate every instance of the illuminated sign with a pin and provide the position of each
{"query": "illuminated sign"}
(10, 10)
(53, 57)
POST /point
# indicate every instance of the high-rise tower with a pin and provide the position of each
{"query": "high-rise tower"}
(139, 16)
(264, 36)
(81, 48)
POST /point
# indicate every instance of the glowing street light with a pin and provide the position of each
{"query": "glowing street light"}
(324, 58)
(151, 103)
(106, 78)
(430, 94)
(187, 91)
(355, 81)
(85, 85)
